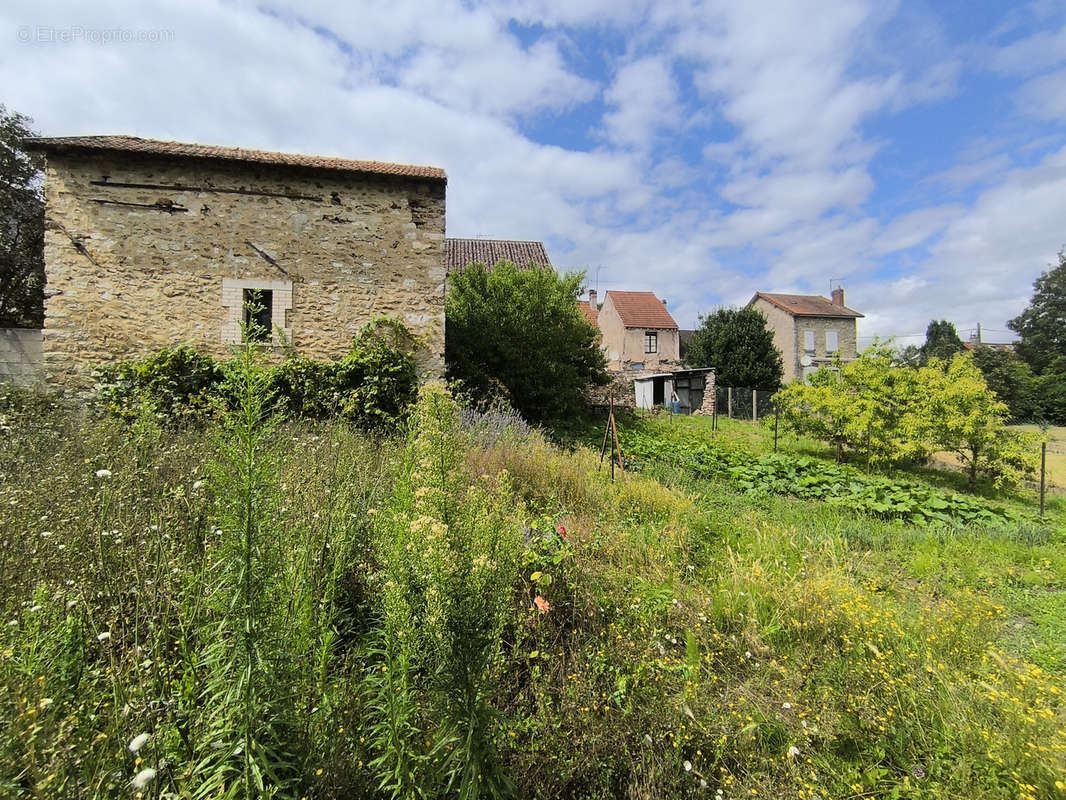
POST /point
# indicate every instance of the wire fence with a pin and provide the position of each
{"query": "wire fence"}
(743, 402)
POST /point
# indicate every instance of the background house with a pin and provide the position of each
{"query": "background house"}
(154, 243)
(809, 330)
(638, 332)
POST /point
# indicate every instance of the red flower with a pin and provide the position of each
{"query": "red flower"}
(559, 529)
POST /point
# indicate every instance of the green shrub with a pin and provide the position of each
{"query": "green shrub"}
(372, 386)
(176, 384)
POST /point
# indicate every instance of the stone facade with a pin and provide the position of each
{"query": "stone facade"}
(144, 251)
(790, 337)
(20, 355)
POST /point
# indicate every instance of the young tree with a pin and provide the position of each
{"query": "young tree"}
(518, 334)
(966, 419)
(869, 406)
(737, 343)
(1042, 326)
(941, 341)
(21, 226)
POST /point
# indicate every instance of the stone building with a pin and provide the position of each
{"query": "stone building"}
(637, 331)
(153, 243)
(809, 330)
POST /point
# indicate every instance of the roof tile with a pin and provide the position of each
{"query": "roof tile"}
(155, 147)
(458, 253)
(641, 310)
(806, 305)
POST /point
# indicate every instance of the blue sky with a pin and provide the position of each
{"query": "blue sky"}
(913, 151)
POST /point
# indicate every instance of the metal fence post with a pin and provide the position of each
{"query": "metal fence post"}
(1043, 464)
(729, 402)
(754, 405)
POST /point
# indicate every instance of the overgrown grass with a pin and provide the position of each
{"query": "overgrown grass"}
(663, 636)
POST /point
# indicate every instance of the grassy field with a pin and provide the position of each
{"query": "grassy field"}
(306, 611)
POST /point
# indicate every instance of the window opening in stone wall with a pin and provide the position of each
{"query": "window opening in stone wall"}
(808, 341)
(830, 341)
(651, 342)
(258, 313)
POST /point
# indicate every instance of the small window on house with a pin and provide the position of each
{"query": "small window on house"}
(830, 342)
(808, 341)
(258, 316)
(651, 342)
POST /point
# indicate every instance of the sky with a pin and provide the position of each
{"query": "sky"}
(913, 152)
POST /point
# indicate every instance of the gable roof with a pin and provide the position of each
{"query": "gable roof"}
(806, 305)
(591, 314)
(641, 310)
(155, 147)
(458, 253)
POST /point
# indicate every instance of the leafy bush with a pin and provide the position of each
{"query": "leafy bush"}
(517, 335)
(372, 386)
(898, 416)
(176, 384)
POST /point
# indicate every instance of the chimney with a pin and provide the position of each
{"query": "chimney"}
(664, 301)
(838, 296)
(592, 299)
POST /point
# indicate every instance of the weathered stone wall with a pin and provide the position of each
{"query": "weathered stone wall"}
(846, 339)
(137, 249)
(21, 355)
(789, 333)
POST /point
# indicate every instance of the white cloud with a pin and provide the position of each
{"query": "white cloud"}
(644, 101)
(1045, 97)
(791, 93)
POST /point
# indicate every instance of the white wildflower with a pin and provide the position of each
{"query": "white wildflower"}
(703, 783)
(13, 623)
(45, 534)
(786, 706)
(197, 485)
(747, 654)
(143, 778)
(793, 751)
(35, 608)
(45, 702)
(647, 738)
(103, 474)
(139, 741)
(103, 636)
(688, 766)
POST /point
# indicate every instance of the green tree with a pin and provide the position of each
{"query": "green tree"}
(518, 334)
(867, 406)
(966, 419)
(737, 343)
(941, 341)
(1011, 380)
(899, 415)
(21, 226)
(1042, 326)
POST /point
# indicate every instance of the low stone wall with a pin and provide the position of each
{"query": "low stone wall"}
(21, 355)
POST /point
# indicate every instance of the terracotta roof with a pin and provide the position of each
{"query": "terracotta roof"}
(154, 147)
(591, 314)
(641, 310)
(460, 252)
(806, 305)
